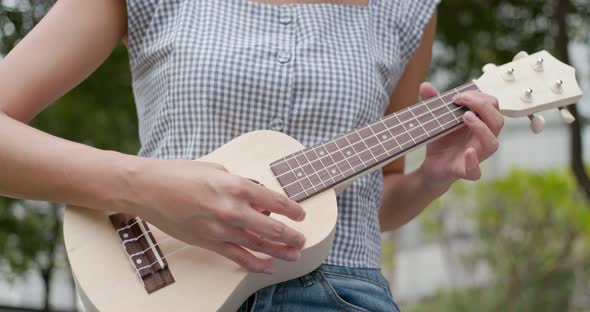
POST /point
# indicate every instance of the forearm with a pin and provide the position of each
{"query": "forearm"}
(36, 165)
(405, 196)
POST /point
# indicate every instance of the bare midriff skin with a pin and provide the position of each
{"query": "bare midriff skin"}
(199, 203)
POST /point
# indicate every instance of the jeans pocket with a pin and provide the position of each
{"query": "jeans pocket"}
(352, 294)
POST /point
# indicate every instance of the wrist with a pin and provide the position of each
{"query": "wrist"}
(121, 193)
(433, 184)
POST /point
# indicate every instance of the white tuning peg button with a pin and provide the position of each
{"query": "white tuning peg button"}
(508, 75)
(537, 123)
(520, 55)
(488, 67)
(538, 66)
(566, 116)
(557, 86)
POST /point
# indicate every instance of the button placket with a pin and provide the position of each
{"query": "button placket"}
(285, 22)
(285, 16)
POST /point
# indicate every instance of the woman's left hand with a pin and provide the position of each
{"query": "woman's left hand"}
(458, 155)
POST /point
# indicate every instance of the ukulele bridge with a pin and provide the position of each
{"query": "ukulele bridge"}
(144, 254)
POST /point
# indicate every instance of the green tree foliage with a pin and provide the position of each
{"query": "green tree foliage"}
(473, 33)
(532, 230)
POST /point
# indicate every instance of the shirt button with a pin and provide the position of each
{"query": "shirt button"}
(277, 124)
(285, 18)
(283, 56)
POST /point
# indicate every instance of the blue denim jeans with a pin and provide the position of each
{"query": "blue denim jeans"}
(328, 288)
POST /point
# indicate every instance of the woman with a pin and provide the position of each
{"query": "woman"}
(206, 71)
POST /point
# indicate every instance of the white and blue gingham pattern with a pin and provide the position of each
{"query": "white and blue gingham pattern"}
(206, 71)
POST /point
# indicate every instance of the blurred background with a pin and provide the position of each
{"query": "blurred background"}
(519, 240)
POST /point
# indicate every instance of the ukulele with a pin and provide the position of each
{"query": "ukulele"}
(121, 263)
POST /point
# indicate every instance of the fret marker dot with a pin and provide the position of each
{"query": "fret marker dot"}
(138, 261)
(348, 153)
(321, 152)
(333, 171)
(384, 137)
(299, 174)
(125, 235)
(411, 125)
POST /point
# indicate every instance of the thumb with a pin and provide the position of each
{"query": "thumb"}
(427, 91)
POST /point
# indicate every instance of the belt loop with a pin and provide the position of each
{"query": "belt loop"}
(307, 280)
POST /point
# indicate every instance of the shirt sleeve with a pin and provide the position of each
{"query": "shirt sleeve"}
(415, 15)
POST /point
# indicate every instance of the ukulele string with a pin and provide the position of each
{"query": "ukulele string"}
(368, 148)
(413, 119)
(187, 245)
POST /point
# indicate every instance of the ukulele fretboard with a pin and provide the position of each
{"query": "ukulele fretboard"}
(327, 164)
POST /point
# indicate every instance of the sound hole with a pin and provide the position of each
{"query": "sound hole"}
(265, 212)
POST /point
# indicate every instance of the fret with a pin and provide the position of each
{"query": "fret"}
(304, 174)
(329, 152)
(345, 149)
(434, 117)
(366, 148)
(448, 108)
(315, 172)
(377, 134)
(361, 163)
(293, 189)
(323, 171)
(323, 156)
(372, 142)
(418, 121)
(405, 130)
(315, 163)
(392, 136)
(308, 172)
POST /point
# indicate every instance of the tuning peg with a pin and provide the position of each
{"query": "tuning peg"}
(557, 86)
(520, 55)
(508, 75)
(538, 66)
(488, 67)
(566, 116)
(537, 123)
(527, 96)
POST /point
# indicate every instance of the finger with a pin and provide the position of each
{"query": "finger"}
(242, 257)
(265, 199)
(472, 170)
(271, 229)
(259, 244)
(484, 135)
(427, 91)
(485, 106)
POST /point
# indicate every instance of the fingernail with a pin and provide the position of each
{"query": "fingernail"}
(469, 117)
(294, 256)
(301, 217)
(269, 270)
(457, 98)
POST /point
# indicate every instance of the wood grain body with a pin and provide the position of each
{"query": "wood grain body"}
(205, 281)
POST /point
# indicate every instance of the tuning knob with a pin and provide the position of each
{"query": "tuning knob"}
(527, 96)
(537, 123)
(520, 55)
(538, 66)
(508, 74)
(566, 116)
(557, 86)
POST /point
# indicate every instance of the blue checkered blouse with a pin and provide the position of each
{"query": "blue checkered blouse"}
(206, 71)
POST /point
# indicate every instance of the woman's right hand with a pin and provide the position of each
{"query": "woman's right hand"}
(204, 205)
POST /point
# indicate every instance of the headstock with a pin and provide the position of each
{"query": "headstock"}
(531, 84)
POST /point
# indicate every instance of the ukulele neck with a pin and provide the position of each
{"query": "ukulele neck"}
(358, 151)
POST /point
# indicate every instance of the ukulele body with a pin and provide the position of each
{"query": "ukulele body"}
(204, 281)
